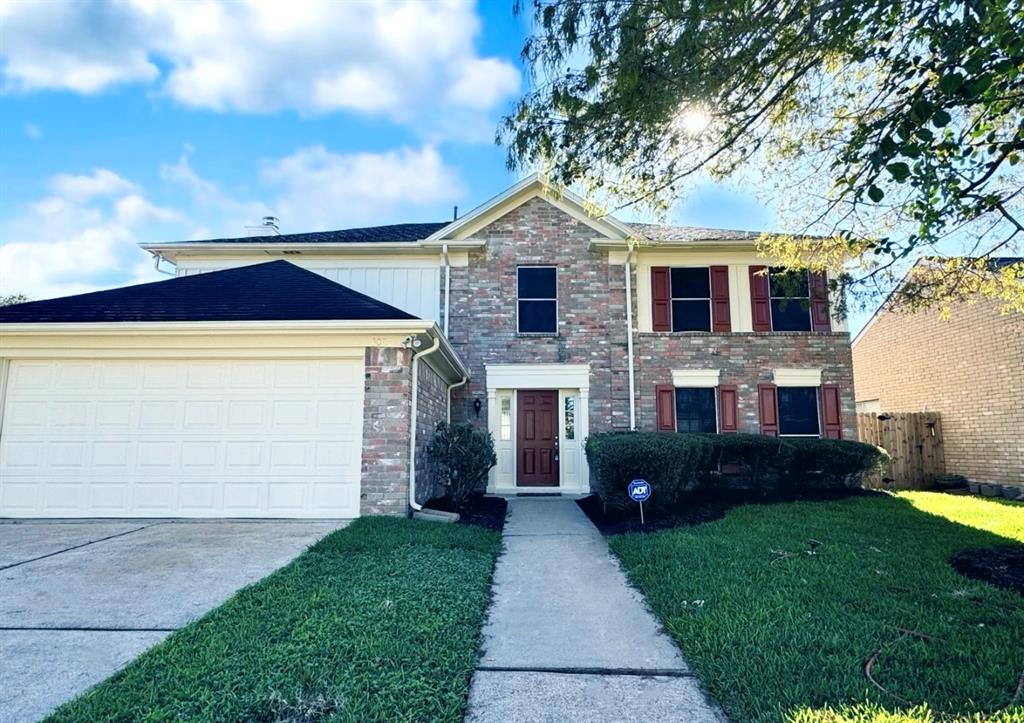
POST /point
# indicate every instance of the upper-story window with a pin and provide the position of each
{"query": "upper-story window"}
(790, 300)
(537, 290)
(690, 298)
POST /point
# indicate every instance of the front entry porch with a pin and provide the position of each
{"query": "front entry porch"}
(537, 414)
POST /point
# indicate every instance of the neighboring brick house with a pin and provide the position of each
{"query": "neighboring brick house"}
(969, 369)
(536, 321)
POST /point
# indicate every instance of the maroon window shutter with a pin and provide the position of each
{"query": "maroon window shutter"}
(768, 403)
(831, 412)
(821, 319)
(661, 299)
(760, 298)
(728, 419)
(666, 407)
(720, 317)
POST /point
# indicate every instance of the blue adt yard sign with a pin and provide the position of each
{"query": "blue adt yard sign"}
(640, 490)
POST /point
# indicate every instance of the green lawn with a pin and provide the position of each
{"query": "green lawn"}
(785, 637)
(376, 622)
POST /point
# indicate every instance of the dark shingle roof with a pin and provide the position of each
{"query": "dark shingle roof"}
(412, 232)
(408, 232)
(273, 291)
(663, 232)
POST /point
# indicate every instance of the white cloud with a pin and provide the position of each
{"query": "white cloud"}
(74, 264)
(483, 83)
(316, 189)
(84, 47)
(81, 237)
(401, 59)
(101, 183)
(320, 189)
(134, 210)
(232, 213)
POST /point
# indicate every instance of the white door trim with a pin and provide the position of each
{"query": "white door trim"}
(503, 381)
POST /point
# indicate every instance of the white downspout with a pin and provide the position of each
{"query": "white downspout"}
(629, 337)
(157, 258)
(412, 419)
(449, 393)
(447, 286)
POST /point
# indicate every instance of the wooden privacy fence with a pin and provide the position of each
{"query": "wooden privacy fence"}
(913, 440)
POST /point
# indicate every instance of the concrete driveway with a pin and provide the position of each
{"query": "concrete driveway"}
(79, 599)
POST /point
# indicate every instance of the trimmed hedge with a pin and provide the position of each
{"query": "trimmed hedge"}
(745, 464)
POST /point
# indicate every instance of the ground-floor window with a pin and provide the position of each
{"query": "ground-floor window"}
(798, 411)
(695, 410)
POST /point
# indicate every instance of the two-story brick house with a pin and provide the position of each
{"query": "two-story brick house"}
(242, 395)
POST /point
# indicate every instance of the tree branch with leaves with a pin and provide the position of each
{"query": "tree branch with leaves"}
(886, 131)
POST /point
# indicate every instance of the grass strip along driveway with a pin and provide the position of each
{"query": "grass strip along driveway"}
(379, 621)
(779, 608)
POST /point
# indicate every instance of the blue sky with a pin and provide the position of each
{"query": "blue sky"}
(163, 120)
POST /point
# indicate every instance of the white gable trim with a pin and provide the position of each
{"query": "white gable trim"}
(533, 186)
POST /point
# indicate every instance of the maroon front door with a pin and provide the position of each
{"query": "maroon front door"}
(537, 438)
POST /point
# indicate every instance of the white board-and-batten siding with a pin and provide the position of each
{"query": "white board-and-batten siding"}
(412, 286)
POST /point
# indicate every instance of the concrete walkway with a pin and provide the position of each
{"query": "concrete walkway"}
(567, 639)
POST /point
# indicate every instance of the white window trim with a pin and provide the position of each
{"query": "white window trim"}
(555, 299)
(695, 377)
(797, 377)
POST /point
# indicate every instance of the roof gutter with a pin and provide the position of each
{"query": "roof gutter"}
(245, 247)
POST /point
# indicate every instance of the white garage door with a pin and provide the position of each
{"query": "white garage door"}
(238, 438)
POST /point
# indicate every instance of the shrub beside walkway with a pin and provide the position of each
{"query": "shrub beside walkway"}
(567, 639)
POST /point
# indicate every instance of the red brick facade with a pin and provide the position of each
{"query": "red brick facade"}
(388, 399)
(431, 408)
(745, 360)
(592, 328)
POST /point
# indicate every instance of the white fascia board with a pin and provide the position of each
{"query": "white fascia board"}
(242, 248)
(366, 329)
(361, 326)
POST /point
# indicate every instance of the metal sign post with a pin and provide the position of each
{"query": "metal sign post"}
(640, 490)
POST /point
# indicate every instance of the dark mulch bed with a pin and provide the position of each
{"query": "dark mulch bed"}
(617, 522)
(700, 508)
(481, 510)
(1002, 565)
